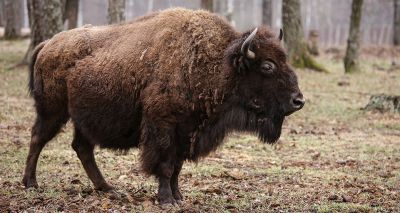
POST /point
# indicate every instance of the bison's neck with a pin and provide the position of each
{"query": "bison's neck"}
(224, 119)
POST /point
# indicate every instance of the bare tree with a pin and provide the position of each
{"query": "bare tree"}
(116, 11)
(13, 15)
(2, 21)
(225, 8)
(207, 5)
(353, 42)
(396, 27)
(45, 18)
(71, 13)
(267, 12)
(312, 44)
(294, 37)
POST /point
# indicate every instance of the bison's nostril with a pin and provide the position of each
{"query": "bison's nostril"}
(298, 103)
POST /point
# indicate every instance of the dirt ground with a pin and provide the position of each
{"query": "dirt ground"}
(332, 156)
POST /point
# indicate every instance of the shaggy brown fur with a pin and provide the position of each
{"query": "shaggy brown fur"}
(173, 83)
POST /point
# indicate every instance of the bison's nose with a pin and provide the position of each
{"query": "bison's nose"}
(297, 101)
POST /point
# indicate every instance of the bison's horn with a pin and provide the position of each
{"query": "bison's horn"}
(280, 34)
(245, 50)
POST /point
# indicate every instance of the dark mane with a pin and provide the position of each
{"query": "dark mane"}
(232, 119)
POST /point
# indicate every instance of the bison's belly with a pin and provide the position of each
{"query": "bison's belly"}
(106, 112)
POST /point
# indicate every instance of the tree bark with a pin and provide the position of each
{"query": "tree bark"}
(13, 15)
(312, 45)
(224, 8)
(45, 19)
(396, 23)
(116, 11)
(2, 21)
(384, 103)
(294, 37)
(207, 5)
(351, 63)
(267, 12)
(71, 13)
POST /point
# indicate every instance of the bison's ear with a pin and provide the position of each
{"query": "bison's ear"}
(242, 60)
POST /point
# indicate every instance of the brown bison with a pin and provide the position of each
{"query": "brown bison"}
(172, 83)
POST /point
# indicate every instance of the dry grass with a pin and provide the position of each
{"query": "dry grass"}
(332, 156)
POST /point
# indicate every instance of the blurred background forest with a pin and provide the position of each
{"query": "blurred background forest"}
(330, 18)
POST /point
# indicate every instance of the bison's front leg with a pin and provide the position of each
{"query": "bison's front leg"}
(164, 175)
(174, 181)
(158, 156)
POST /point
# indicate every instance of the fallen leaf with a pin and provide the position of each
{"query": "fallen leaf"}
(235, 174)
(106, 205)
(274, 205)
(346, 198)
(385, 174)
(316, 156)
(213, 190)
(147, 205)
(76, 181)
(122, 177)
(333, 197)
(343, 83)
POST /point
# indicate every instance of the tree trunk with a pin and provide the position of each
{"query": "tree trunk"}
(229, 12)
(396, 27)
(267, 12)
(225, 8)
(2, 21)
(45, 18)
(116, 11)
(384, 103)
(353, 42)
(71, 13)
(207, 5)
(13, 15)
(294, 37)
(312, 45)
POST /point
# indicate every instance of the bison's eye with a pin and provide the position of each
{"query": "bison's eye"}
(268, 67)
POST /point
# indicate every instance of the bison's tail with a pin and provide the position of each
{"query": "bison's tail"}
(32, 62)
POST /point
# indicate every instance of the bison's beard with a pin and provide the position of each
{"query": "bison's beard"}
(267, 127)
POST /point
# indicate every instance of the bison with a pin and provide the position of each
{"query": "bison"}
(173, 83)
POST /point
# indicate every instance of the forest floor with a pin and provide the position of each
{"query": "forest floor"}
(332, 156)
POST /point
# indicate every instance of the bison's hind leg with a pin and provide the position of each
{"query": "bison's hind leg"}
(84, 150)
(44, 129)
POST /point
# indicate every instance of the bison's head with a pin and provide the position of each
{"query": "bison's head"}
(266, 86)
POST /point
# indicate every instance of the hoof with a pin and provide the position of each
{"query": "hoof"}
(168, 206)
(105, 188)
(166, 201)
(30, 182)
(177, 195)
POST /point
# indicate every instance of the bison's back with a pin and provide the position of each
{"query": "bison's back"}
(112, 76)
